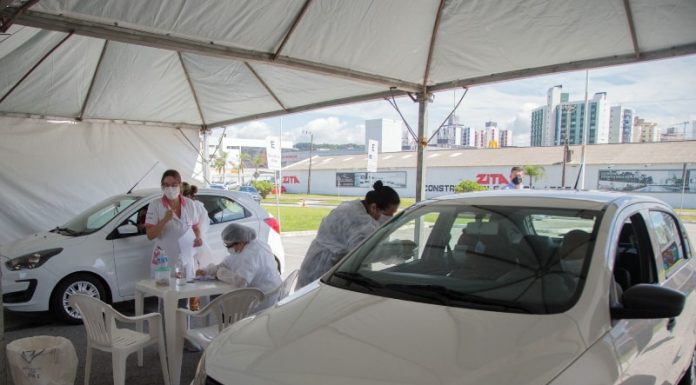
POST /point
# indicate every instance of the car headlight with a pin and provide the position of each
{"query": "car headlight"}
(32, 260)
(200, 376)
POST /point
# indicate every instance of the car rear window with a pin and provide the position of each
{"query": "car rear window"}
(516, 259)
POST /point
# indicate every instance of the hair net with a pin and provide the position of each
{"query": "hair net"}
(235, 232)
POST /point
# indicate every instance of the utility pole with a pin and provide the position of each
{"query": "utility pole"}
(569, 108)
(309, 171)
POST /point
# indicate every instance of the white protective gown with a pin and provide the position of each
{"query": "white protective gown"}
(203, 255)
(177, 235)
(344, 228)
(254, 266)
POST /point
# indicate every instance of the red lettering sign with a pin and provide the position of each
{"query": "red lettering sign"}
(290, 179)
(491, 179)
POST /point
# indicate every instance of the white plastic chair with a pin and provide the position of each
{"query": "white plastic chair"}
(227, 309)
(100, 319)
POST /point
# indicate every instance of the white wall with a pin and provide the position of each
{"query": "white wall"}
(441, 180)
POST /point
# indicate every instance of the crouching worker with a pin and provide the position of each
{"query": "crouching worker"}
(250, 263)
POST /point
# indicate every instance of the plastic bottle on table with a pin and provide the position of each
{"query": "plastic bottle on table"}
(180, 272)
(162, 271)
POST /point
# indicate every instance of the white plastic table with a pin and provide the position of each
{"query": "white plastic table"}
(170, 297)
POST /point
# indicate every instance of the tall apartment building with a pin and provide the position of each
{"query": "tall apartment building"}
(645, 131)
(492, 135)
(450, 134)
(561, 117)
(505, 138)
(480, 139)
(385, 131)
(543, 118)
(673, 133)
(570, 117)
(620, 124)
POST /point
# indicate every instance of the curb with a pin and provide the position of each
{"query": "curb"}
(297, 233)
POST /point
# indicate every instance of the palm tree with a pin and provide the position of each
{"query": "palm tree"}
(243, 157)
(533, 171)
(219, 164)
(258, 161)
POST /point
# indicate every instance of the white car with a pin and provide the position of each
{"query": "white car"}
(505, 287)
(103, 252)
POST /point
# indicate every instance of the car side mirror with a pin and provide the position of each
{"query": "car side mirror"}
(127, 229)
(646, 301)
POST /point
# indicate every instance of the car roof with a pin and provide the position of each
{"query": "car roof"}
(591, 200)
(212, 191)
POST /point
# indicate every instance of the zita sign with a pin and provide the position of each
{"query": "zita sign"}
(291, 179)
(489, 179)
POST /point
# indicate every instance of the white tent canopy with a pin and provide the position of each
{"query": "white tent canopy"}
(219, 62)
(124, 70)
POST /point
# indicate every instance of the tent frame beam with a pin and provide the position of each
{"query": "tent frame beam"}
(143, 38)
(631, 27)
(91, 83)
(193, 90)
(295, 22)
(431, 47)
(308, 107)
(35, 66)
(263, 83)
(9, 14)
(682, 50)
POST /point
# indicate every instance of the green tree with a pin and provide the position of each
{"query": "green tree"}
(533, 172)
(468, 186)
(265, 187)
(258, 161)
(219, 164)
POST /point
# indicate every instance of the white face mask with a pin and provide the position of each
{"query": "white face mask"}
(171, 192)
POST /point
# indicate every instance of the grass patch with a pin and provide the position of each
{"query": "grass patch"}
(333, 200)
(686, 215)
(299, 218)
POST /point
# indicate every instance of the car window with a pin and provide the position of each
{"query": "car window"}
(100, 214)
(668, 238)
(222, 209)
(634, 260)
(136, 219)
(476, 256)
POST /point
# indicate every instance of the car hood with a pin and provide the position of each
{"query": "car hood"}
(326, 335)
(36, 242)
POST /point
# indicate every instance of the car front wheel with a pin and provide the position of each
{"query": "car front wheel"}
(85, 284)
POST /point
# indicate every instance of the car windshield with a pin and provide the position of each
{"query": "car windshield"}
(498, 258)
(95, 217)
(248, 189)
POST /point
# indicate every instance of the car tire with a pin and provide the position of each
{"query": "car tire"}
(81, 283)
(690, 375)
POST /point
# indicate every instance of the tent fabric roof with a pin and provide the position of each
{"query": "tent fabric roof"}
(221, 62)
(624, 154)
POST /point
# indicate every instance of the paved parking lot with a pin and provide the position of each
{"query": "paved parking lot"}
(20, 325)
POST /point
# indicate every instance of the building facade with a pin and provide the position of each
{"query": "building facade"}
(387, 132)
(570, 118)
(620, 125)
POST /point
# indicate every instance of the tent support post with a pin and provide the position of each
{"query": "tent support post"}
(423, 100)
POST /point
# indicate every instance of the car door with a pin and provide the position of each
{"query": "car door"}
(132, 253)
(222, 211)
(676, 271)
(642, 346)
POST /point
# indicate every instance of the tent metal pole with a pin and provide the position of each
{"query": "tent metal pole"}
(151, 39)
(433, 38)
(263, 83)
(91, 83)
(9, 14)
(682, 50)
(422, 144)
(631, 27)
(308, 107)
(26, 75)
(193, 90)
(295, 22)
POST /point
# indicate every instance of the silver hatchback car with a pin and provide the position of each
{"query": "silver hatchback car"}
(103, 251)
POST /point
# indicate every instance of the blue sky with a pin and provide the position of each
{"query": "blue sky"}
(659, 91)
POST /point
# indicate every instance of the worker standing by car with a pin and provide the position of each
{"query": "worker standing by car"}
(346, 226)
(173, 223)
(516, 179)
(250, 263)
